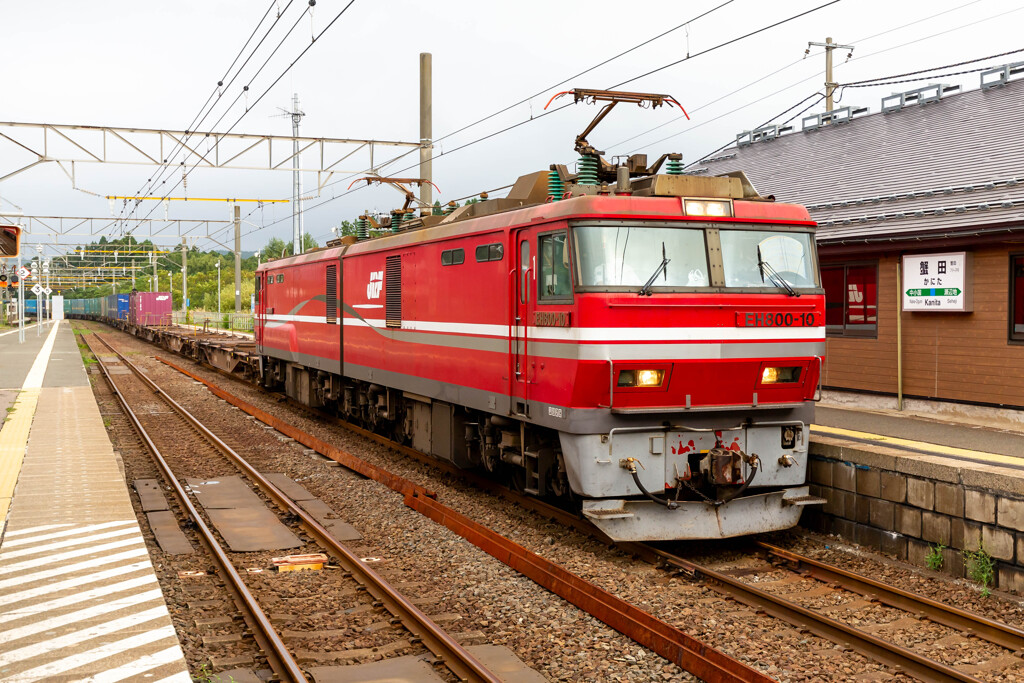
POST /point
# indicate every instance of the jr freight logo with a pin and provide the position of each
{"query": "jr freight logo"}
(375, 285)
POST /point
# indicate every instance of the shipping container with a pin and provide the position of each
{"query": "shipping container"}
(150, 308)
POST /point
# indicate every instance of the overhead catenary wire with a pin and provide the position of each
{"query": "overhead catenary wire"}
(585, 71)
(888, 80)
(267, 90)
(200, 116)
(726, 43)
(552, 111)
(804, 80)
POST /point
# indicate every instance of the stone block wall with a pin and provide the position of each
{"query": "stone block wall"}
(906, 505)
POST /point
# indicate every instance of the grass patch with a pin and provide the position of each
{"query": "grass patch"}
(981, 568)
(934, 557)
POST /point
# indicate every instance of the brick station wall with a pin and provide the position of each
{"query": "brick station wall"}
(904, 507)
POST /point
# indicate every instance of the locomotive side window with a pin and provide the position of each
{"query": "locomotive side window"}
(489, 252)
(280, 278)
(628, 255)
(524, 268)
(553, 275)
(453, 257)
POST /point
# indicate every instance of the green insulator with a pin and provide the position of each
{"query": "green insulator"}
(555, 186)
(362, 232)
(674, 167)
(396, 222)
(586, 168)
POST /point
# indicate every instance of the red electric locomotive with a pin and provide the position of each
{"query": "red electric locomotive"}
(648, 344)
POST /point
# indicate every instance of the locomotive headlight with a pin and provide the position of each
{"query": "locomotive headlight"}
(640, 378)
(648, 378)
(773, 375)
(707, 207)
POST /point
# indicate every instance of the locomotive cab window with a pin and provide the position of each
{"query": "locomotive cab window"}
(627, 255)
(760, 258)
(453, 257)
(553, 280)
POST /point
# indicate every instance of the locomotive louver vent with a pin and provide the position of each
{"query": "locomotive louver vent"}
(393, 291)
(332, 295)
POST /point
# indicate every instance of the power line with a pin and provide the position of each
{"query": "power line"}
(889, 79)
(780, 70)
(804, 80)
(728, 42)
(196, 120)
(820, 97)
(588, 70)
(552, 111)
(267, 90)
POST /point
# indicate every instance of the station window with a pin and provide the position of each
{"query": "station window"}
(453, 257)
(553, 279)
(1017, 297)
(489, 252)
(851, 299)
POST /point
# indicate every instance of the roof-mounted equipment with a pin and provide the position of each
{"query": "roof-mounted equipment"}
(593, 169)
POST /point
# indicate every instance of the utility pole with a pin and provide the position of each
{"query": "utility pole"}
(426, 134)
(830, 84)
(184, 276)
(155, 284)
(296, 115)
(238, 259)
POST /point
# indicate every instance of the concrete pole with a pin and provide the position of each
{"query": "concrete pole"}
(426, 134)
(155, 284)
(296, 179)
(238, 259)
(830, 86)
(184, 276)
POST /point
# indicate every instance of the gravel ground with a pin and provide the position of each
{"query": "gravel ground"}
(471, 594)
(491, 611)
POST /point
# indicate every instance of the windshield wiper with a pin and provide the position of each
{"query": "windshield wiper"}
(773, 275)
(663, 266)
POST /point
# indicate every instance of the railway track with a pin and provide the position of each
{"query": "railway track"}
(785, 570)
(357, 591)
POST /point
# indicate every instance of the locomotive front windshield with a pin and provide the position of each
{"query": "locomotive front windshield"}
(653, 257)
(756, 258)
(627, 256)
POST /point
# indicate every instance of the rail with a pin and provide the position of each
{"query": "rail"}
(670, 642)
(995, 632)
(280, 660)
(459, 660)
(896, 656)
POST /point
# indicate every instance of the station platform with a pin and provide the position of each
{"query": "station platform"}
(919, 483)
(79, 598)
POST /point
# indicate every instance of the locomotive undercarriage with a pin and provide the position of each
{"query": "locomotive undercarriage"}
(630, 481)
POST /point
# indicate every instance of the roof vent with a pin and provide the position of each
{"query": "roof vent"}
(836, 116)
(929, 93)
(993, 78)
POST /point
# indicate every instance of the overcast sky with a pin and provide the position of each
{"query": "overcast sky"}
(153, 65)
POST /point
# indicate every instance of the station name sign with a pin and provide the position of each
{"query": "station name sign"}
(938, 282)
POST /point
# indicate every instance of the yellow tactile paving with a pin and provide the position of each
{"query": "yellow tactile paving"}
(929, 448)
(13, 440)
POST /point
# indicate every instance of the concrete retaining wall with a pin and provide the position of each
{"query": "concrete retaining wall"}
(906, 504)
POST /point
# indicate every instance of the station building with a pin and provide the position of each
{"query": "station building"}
(920, 208)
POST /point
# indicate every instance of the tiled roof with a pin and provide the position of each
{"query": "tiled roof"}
(943, 166)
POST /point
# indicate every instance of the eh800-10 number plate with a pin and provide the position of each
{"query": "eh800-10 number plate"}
(777, 319)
